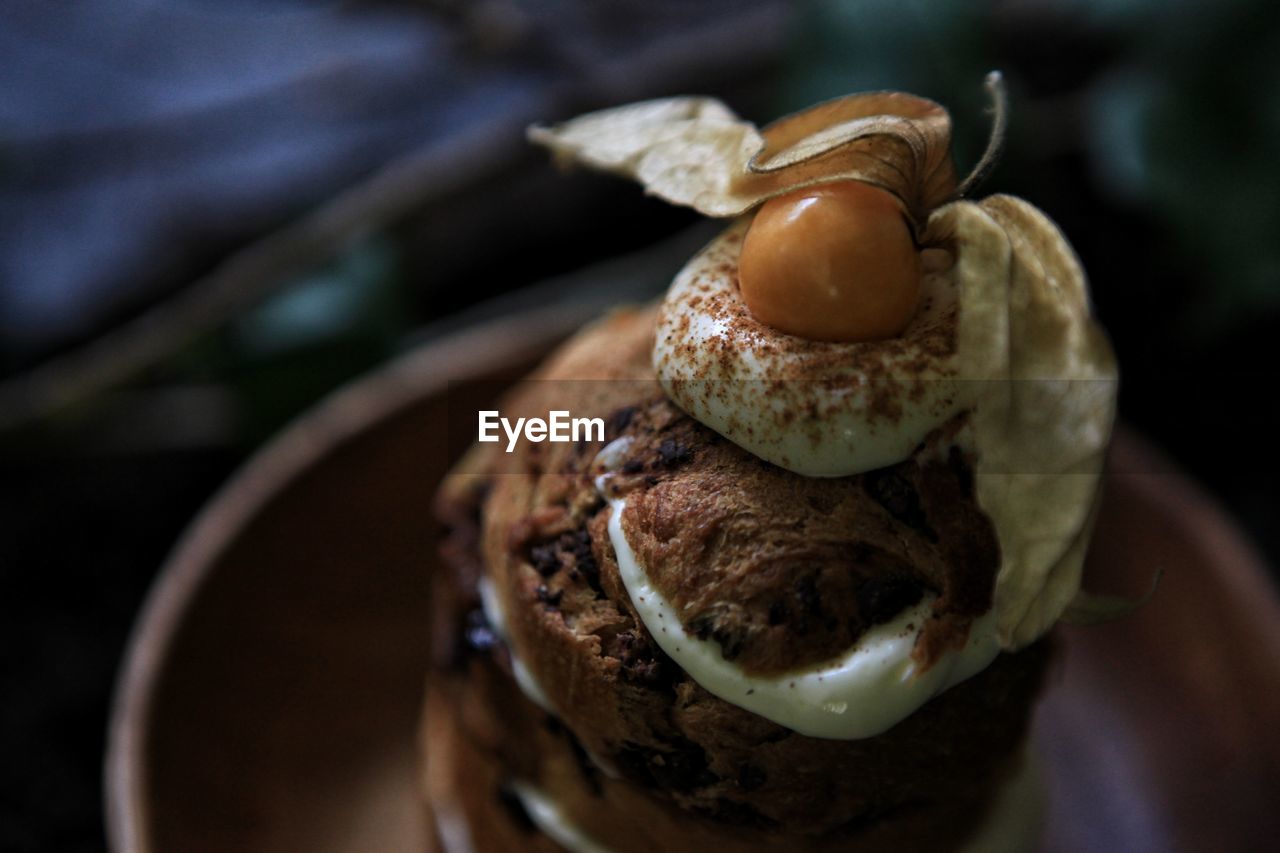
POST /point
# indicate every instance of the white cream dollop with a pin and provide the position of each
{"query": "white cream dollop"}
(821, 409)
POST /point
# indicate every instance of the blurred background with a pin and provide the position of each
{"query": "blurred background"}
(212, 214)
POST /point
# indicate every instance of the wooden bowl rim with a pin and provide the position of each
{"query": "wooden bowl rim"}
(338, 418)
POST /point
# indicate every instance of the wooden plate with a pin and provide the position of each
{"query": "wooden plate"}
(270, 697)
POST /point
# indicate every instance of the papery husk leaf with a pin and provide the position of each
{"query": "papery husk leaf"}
(697, 153)
(1046, 404)
(1089, 608)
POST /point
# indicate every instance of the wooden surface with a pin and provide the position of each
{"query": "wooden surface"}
(271, 696)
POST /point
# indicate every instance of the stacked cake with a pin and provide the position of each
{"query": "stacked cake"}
(796, 596)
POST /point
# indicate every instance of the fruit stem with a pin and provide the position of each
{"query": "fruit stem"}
(999, 109)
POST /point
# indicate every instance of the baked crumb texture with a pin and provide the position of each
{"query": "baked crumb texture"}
(780, 570)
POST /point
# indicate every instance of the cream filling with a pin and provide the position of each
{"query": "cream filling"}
(497, 620)
(864, 691)
(451, 827)
(547, 815)
(1012, 826)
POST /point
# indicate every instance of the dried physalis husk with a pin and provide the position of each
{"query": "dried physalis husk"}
(1045, 403)
(695, 152)
(1089, 608)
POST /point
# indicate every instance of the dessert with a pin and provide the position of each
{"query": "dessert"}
(798, 593)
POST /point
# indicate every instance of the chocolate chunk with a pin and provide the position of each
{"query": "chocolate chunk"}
(547, 597)
(729, 640)
(806, 590)
(642, 662)
(650, 673)
(821, 504)
(809, 601)
(777, 613)
(578, 544)
(545, 559)
(671, 452)
(619, 421)
(899, 498)
(881, 599)
(571, 550)
(478, 633)
(682, 767)
(736, 813)
(590, 772)
(750, 778)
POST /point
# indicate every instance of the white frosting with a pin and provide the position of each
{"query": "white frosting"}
(492, 607)
(612, 455)
(807, 406)
(451, 827)
(864, 691)
(547, 815)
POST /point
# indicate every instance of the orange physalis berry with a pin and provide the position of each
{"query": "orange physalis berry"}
(832, 262)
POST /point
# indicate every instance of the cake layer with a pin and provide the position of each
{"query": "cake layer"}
(628, 710)
(500, 774)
